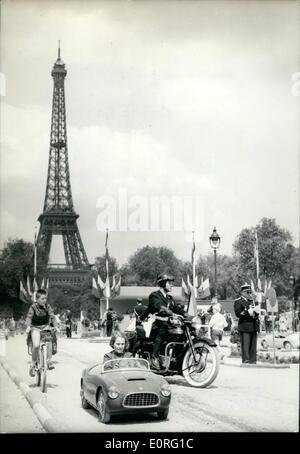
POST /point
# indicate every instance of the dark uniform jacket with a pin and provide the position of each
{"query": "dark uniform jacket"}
(247, 323)
(162, 306)
(139, 310)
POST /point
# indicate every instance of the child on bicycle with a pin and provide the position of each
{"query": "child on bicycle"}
(39, 316)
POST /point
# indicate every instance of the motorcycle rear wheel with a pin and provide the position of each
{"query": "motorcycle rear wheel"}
(202, 372)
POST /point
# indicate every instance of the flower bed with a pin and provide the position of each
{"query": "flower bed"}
(288, 357)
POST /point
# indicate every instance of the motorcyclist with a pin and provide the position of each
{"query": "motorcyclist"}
(163, 306)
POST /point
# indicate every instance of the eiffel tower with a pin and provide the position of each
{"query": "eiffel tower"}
(59, 217)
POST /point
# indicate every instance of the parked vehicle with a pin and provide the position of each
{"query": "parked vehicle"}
(124, 386)
(288, 342)
(187, 352)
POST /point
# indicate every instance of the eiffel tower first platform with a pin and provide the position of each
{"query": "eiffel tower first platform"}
(59, 217)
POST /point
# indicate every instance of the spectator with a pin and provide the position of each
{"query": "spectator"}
(276, 323)
(12, 326)
(283, 323)
(216, 326)
(229, 320)
(262, 326)
(69, 324)
(108, 321)
(268, 323)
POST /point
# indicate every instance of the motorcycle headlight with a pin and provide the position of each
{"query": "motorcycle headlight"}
(165, 390)
(113, 392)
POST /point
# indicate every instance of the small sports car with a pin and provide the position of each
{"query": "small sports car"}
(124, 386)
(288, 342)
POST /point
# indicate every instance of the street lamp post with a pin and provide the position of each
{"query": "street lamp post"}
(215, 240)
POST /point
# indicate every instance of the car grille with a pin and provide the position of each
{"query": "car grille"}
(141, 400)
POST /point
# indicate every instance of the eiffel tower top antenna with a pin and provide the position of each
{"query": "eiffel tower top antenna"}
(59, 49)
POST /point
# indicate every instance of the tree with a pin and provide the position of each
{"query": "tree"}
(100, 264)
(15, 263)
(276, 253)
(227, 274)
(75, 298)
(147, 262)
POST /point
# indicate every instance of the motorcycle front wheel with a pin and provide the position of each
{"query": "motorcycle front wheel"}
(202, 370)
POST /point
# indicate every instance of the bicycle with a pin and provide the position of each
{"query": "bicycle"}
(42, 366)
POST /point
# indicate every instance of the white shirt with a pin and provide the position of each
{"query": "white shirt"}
(217, 321)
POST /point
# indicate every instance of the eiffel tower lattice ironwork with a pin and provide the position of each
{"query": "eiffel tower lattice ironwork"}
(59, 217)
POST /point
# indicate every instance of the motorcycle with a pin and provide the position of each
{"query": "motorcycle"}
(186, 352)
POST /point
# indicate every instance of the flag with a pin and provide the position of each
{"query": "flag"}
(100, 283)
(107, 285)
(43, 283)
(29, 290)
(192, 305)
(23, 295)
(113, 282)
(204, 289)
(259, 286)
(47, 284)
(35, 285)
(196, 283)
(184, 290)
(116, 285)
(107, 288)
(95, 290)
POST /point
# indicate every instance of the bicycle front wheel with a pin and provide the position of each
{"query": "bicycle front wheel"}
(43, 369)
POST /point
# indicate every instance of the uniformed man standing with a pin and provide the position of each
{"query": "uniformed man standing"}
(247, 314)
(163, 306)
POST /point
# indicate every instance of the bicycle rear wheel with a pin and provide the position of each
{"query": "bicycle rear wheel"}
(43, 369)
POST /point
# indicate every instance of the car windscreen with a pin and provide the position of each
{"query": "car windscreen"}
(125, 363)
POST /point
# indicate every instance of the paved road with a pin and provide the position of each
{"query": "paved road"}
(240, 399)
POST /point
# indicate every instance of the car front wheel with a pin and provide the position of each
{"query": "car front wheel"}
(104, 414)
(163, 414)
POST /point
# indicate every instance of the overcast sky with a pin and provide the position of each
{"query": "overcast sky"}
(187, 98)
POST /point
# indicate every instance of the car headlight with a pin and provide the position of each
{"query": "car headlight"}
(165, 390)
(113, 392)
